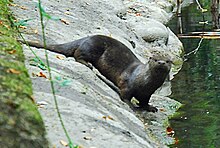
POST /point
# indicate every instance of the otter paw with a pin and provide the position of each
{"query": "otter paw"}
(151, 108)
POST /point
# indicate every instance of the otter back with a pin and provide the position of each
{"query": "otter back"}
(117, 63)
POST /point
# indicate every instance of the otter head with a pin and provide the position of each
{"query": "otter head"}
(160, 65)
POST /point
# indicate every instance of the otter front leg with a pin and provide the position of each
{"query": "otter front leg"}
(82, 58)
(126, 97)
(144, 105)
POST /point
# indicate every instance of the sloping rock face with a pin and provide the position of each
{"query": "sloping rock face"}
(92, 112)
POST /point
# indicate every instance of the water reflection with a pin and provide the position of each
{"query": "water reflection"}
(198, 87)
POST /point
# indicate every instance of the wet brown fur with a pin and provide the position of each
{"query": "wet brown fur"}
(117, 63)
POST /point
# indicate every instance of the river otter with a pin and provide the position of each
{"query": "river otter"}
(118, 64)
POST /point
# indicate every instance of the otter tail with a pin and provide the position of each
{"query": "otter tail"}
(31, 43)
(66, 49)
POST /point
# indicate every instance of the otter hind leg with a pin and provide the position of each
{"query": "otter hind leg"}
(85, 63)
(81, 59)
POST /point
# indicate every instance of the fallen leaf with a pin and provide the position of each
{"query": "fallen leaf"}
(129, 11)
(64, 143)
(16, 5)
(67, 13)
(40, 74)
(23, 27)
(170, 131)
(87, 138)
(13, 5)
(1, 22)
(162, 110)
(176, 140)
(138, 14)
(12, 51)
(35, 31)
(134, 101)
(41, 103)
(60, 57)
(14, 71)
(64, 21)
(93, 129)
(23, 7)
(7, 26)
(32, 99)
(107, 117)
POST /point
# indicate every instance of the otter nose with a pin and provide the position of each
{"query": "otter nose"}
(161, 62)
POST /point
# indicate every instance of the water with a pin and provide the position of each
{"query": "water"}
(197, 86)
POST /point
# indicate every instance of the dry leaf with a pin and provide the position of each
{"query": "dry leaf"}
(35, 31)
(64, 143)
(176, 140)
(7, 26)
(40, 74)
(23, 7)
(13, 5)
(87, 138)
(170, 131)
(14, 71)
(107, 117)
(65, 21)
(60, 57)
(138, 14)
(23, 27)
(1, 22)
(129, 11)
(41, 103)
(12, 51)
(162, 110)
(32, 99)
(67, 13)
(16, 5)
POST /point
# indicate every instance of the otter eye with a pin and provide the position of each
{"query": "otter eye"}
(150, 58)
(168, 61)
(155, 60)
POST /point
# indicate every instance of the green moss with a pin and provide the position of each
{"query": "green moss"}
(20, 122)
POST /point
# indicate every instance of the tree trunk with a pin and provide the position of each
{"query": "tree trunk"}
(215, 13)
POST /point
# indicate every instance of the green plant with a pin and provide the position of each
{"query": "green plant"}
(38, 62)
(43, 15)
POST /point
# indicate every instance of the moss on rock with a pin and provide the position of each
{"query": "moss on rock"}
(20, 122)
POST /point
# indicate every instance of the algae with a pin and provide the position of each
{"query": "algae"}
(20, 122)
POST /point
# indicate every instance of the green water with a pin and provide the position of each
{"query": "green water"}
(197, 86)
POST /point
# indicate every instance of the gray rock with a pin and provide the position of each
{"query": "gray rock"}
(85, 102)
(150, 30)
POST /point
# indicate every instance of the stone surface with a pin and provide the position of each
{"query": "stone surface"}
(85, 101)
